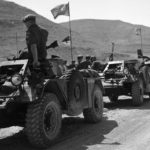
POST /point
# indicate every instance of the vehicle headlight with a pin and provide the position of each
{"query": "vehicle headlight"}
(126, 71)
(16, 79)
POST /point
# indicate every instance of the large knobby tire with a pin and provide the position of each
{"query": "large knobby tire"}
(75, 91)
(76, 87)
(43, 121)
(137, 93)
(95, 113)
(113, 98)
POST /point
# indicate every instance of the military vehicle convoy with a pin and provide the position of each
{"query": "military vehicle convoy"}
(31, 99)
(127, 77)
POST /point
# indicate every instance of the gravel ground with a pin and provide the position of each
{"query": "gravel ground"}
(123, 127)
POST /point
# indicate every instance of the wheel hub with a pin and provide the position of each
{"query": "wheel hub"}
(96, 104)
(77, 92)
(49, 121)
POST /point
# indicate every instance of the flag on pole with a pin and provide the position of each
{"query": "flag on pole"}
(62, 9)
(138, 31)
(66, 39)
(52, 45)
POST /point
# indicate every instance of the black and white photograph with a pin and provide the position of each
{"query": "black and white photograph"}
(74, 74)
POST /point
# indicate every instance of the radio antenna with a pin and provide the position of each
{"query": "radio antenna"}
(17, 43)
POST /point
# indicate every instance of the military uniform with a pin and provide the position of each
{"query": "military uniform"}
(33, 36)
(85, 64)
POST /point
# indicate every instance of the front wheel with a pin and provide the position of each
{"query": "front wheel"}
(95, 113)
(137, 93)
(43, 121)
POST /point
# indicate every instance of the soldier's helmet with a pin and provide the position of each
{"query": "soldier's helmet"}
(29, 17)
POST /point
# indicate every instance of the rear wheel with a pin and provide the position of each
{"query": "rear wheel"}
(43, 121)
(137, 93)
(75, 91)
(95, 113)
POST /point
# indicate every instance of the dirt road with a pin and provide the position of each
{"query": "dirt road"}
(123, 128)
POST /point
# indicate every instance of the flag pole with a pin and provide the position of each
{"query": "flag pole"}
(70, 34)
(113, 46)
(139, 33)
(141, 38)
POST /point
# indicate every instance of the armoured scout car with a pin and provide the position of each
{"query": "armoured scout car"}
(127, 77)
(123, 78)
(39, 108)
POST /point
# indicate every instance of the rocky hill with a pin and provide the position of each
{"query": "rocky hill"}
(93, 37)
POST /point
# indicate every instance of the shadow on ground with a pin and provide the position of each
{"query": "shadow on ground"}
(76, 135)
(127, 104)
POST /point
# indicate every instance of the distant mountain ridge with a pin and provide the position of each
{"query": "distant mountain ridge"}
(89, 36)
(104, 32)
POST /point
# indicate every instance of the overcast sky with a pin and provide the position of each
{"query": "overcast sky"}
(132, 11)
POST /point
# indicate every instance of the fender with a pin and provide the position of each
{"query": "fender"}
(144, 75)
(58, 87)
(99, 83)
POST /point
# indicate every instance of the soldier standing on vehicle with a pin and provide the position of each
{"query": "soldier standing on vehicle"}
(33, 40)
(36, 38)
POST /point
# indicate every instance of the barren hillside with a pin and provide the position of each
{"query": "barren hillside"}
(93, 37)
(104, 32)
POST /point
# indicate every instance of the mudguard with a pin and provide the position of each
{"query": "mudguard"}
(99, 83)
(59, 88)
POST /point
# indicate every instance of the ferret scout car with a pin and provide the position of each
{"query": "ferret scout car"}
(124, 77)
(32, 99)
